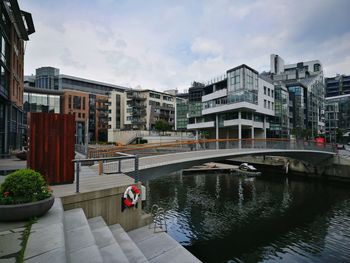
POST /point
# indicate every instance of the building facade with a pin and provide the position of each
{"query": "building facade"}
(16, 26)
(236, 105)
(338, 85)
(304, 82)
(86, 99)
(39, 100)
(139, 110)
(337, 116)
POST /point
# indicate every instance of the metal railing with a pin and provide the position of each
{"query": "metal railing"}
(80, 148)
(213, 144)
(105, 160)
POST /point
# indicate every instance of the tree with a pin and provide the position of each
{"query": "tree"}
(162, 125)
(339, 134)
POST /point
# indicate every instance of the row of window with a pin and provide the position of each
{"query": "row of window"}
(77, 102)
(78, 114)
(158, 96)
(269, 92)
(268, 105)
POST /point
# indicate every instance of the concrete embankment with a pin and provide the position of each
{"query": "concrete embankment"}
(337, 168)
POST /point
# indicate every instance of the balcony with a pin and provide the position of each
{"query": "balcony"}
(245, 122)
(201, 125)
(215, 95)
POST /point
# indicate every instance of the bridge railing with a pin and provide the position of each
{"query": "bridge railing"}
(212, 144)
(106, 165)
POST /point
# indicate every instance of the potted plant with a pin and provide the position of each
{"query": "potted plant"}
(24, 194)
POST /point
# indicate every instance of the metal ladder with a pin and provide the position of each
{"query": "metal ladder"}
(159, 220)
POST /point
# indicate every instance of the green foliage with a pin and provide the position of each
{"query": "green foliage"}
(339, 134)
(162, 125)
(304, 133)
(23, 186)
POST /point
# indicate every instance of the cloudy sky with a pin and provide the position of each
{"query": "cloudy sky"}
(160, 45)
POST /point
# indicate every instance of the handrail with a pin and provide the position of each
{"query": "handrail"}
(124, 156)
(194, 142)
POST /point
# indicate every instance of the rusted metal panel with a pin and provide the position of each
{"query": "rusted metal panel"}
(51, 146)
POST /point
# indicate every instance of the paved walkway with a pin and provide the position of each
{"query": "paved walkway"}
(12, 164)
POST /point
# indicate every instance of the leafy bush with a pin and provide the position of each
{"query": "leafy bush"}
(23, 186)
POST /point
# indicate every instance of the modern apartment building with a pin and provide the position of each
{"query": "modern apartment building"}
(139, 110)
(16, 26)
(86, 99)
(305, 85)
(145, 107)
(337, 116)
(338, 85)
(237, 105)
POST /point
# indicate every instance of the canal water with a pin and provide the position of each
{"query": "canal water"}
(227, 218)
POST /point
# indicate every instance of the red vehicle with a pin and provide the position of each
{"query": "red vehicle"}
(320, 139)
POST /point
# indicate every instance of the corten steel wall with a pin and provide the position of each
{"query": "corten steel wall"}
(51, 146)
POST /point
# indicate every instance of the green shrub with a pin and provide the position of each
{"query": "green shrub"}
(23, 186)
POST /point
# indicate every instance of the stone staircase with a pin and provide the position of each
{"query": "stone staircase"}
(68, 236)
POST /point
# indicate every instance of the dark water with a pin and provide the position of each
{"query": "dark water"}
(225, 218)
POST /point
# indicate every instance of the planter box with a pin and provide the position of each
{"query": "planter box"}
(25, 211)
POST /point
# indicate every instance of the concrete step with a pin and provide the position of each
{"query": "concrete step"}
(109, 248)
(128, 246)
(80, 242)
(159, 247)
(46, 242)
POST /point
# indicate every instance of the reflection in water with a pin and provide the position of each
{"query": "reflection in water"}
(225, 218)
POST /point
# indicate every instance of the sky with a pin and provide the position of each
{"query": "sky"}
(161, 45)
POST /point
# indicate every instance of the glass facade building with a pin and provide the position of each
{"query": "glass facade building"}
(337, 116)
(242, 85)
(41, 103)
(181, 115)
(279, 124)
(35, 102)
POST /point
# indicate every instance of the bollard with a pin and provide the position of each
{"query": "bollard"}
(120, 166)
(77, 177)
(136, 168)
(100, 168)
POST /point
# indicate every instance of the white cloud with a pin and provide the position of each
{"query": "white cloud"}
(162, 45)
(206, 46)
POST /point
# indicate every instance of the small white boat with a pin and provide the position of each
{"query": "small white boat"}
(247, 167)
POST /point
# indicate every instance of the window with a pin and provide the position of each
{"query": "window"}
(83, 103)
(79, 115)
(70, 102)
(269, 104)
(268, 92)
(264, 90)
(154, 95)
(272, 106)
(272, 94)
(77, 102)
(317, 67)
(264, 103)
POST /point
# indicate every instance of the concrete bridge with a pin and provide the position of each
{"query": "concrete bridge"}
(152, 166)
(311, 158)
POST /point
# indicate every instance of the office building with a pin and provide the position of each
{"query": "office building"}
(86, 99)
(16, 26)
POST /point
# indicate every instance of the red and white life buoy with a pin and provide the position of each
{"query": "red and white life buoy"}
(131, 196)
